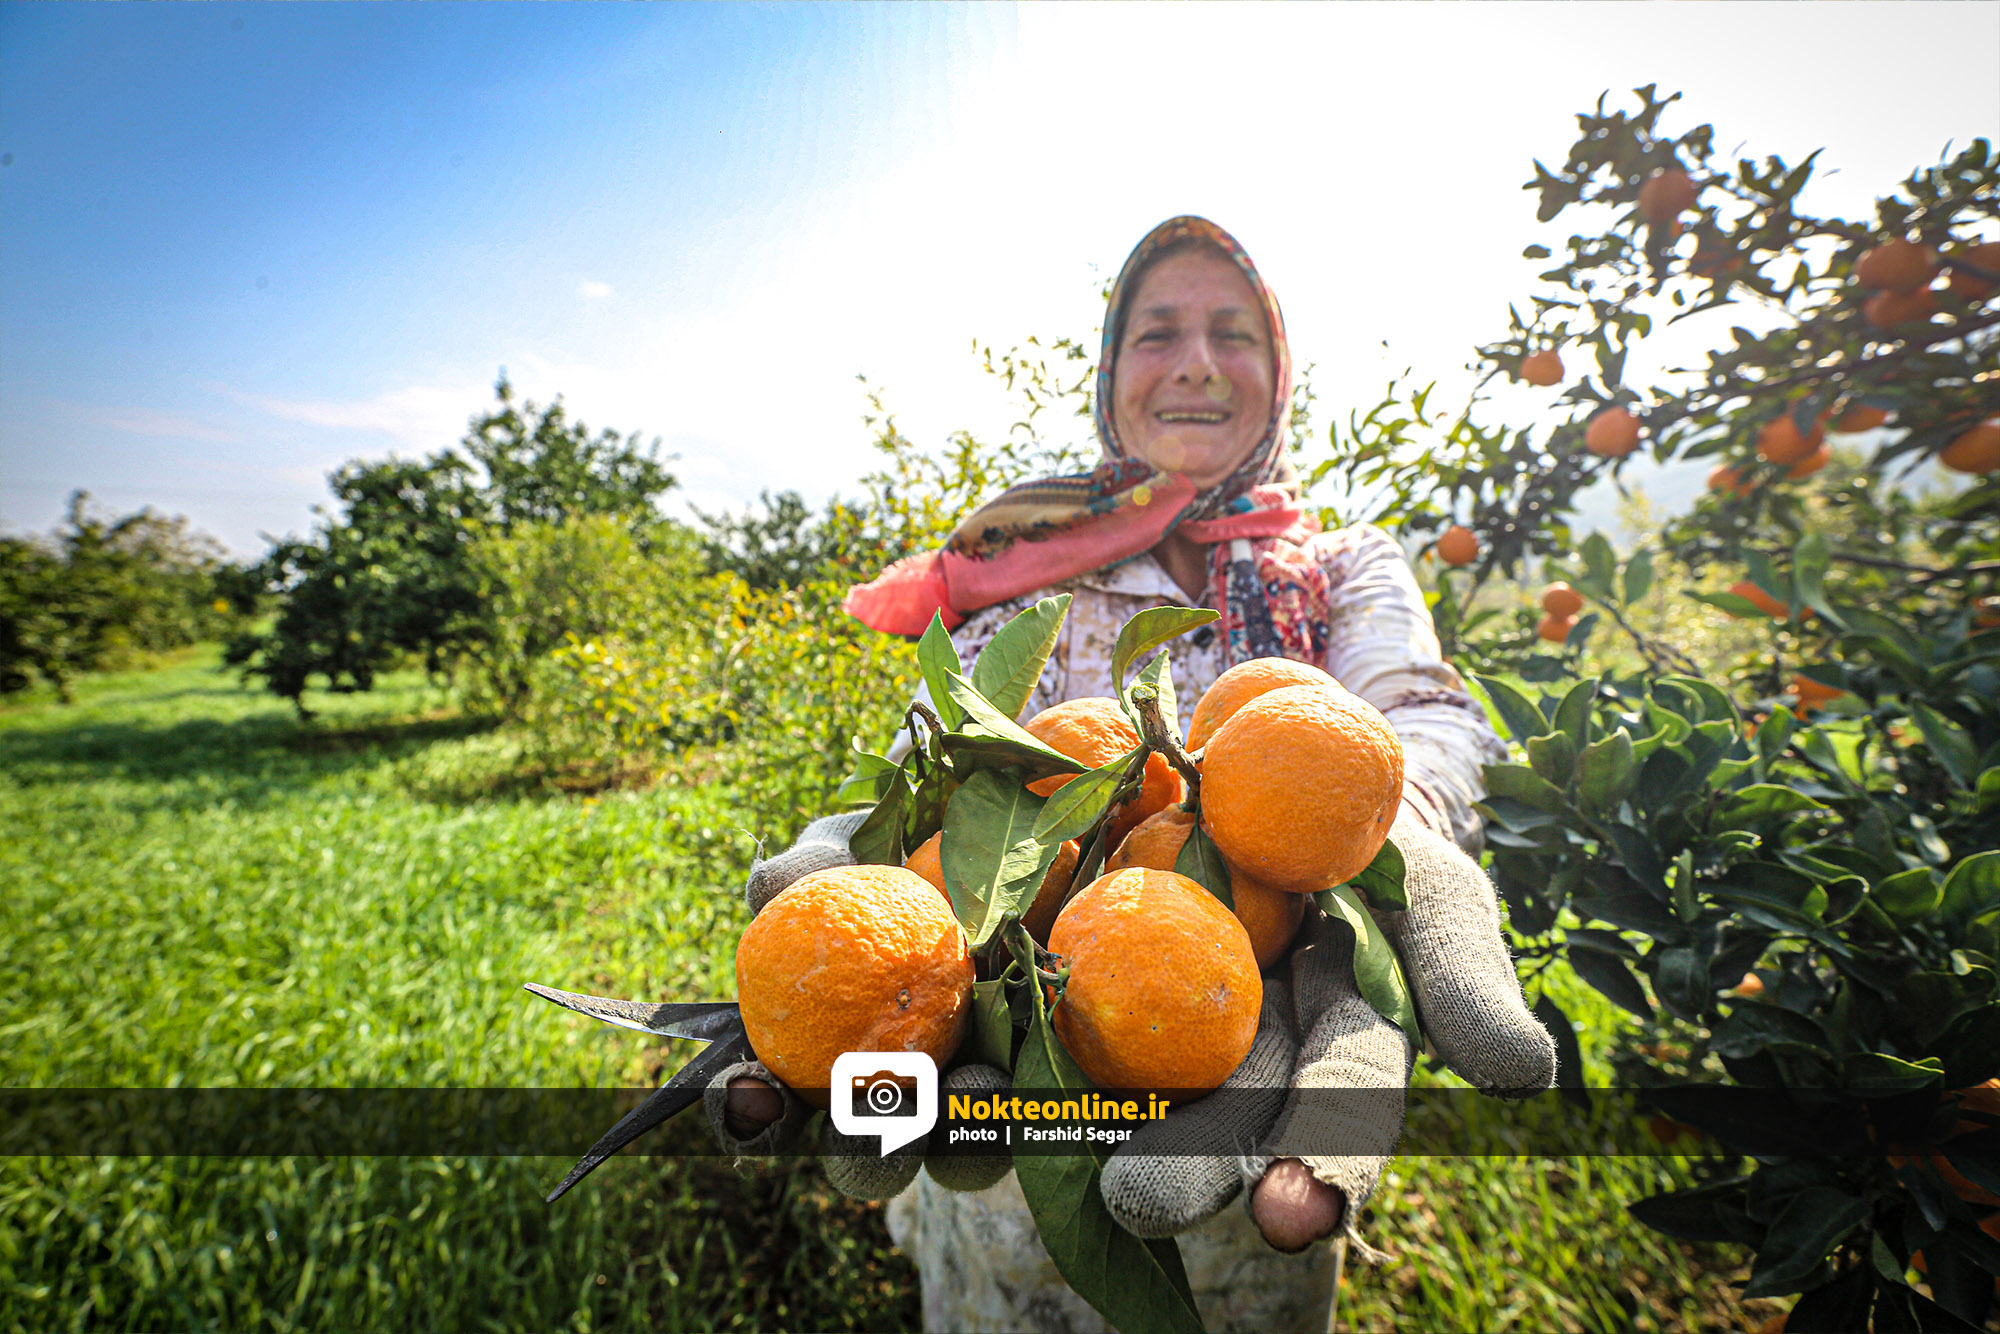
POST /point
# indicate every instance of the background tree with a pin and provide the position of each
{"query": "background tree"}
(389, 574)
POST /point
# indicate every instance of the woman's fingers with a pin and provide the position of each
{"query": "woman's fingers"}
(751, 1111)
(1293, 1208)
(750, 1107)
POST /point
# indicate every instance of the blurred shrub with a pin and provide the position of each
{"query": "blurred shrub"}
(97, 593)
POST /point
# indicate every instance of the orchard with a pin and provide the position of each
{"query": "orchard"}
(1786, 860)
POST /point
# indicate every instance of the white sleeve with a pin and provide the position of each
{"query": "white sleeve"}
(1383, 646)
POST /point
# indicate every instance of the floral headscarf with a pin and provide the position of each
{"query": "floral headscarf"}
(1045, 531)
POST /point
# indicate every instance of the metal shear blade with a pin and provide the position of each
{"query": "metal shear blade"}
(671, 1098)
(702, 1021)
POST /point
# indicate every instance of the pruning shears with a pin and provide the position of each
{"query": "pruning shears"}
(717, 1023)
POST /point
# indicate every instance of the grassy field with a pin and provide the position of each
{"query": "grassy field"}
(202, 891)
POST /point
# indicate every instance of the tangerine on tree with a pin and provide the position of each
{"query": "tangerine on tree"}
(1457, 546)
(1665, 193)
(1728, 477)
(1559, 599)
(928, 861)
(1243, 683)
(1812, 693)
(1810, 464)
(1974, 451)
(1094, 731)
(857, 958)
(1544, 368)
(1895, 266)
(1973, 286)
(1300, 785)
(1986, 612)
(1555, 629)
(1779, 441)
(1271, 917)
(1163, 990)
(1859, 417)
(1612, 433)
(1886, 310)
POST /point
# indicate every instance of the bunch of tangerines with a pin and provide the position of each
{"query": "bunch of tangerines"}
(1149, 927)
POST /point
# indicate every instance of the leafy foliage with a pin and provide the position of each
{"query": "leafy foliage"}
(98, 591)
(1778, 856)
(390, 575)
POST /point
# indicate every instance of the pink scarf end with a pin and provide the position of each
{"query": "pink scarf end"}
(902, 599)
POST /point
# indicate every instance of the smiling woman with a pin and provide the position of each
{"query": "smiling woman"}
(1196, 501)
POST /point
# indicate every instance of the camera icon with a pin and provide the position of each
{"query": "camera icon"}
(879, 1094)
(891, 1095)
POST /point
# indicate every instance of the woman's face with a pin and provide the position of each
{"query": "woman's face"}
(1191, 389)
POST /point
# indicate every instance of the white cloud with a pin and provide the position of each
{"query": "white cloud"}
(422, 417)
(590, 289)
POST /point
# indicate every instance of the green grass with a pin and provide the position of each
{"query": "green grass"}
(202, 891)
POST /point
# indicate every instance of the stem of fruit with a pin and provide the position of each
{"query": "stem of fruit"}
(1159, 735)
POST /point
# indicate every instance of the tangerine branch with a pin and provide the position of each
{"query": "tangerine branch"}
(1158, 735)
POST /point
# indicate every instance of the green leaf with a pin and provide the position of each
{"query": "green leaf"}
(1638, 575)
(993, 863)
(1612, 977)
(1011, 664)
(978, 751)
(1569, 1053)
(991, 1041)
(1377, 971)
(1810, 559)
(1877, 1072)
(1553, 757)
(1773, 734)
(1520, 714)
(937, 658)
(1201, 861)
(1972, 887)
(1605, 771)
(1751, 1027)
(1150, 629)
(1948, 741)
(1600, 564)
(1909, 896)
(879, 839)
(1799, 1240)
(1573, 714)
(1761, 801)
(1080, 803)
(1733, 603)
(869, 780)
(1381, 882)
(1520, 783)
(1135, 1285)
(985, 720)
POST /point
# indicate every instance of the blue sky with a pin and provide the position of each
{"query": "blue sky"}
(241, 243)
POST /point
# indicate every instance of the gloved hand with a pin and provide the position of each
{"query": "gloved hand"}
(752, 1112)
(1317, 1105)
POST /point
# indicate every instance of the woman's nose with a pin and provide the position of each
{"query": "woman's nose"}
(1198, 362)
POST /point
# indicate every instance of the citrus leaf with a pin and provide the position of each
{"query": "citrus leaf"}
(1150, 629)
(983, 719)
(1638, 575)
(1606, 770)
(1381, 881)
(1810, 559)
(1201, 861)
(986, 752)
(1081, 802)
(1011, 663)
(1948, 741)
(936, 657)
(1377, 971)
(869, 780)
(1796, 1247)
(1761, 801)
(991, 857)
(1972, 887)
(1135, 1285)
(1909, 895)
(879, 839)
(991, 1040)
(1519, 783)
(1519, 712)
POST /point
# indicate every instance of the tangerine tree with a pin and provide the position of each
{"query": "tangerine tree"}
(1784, 863)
